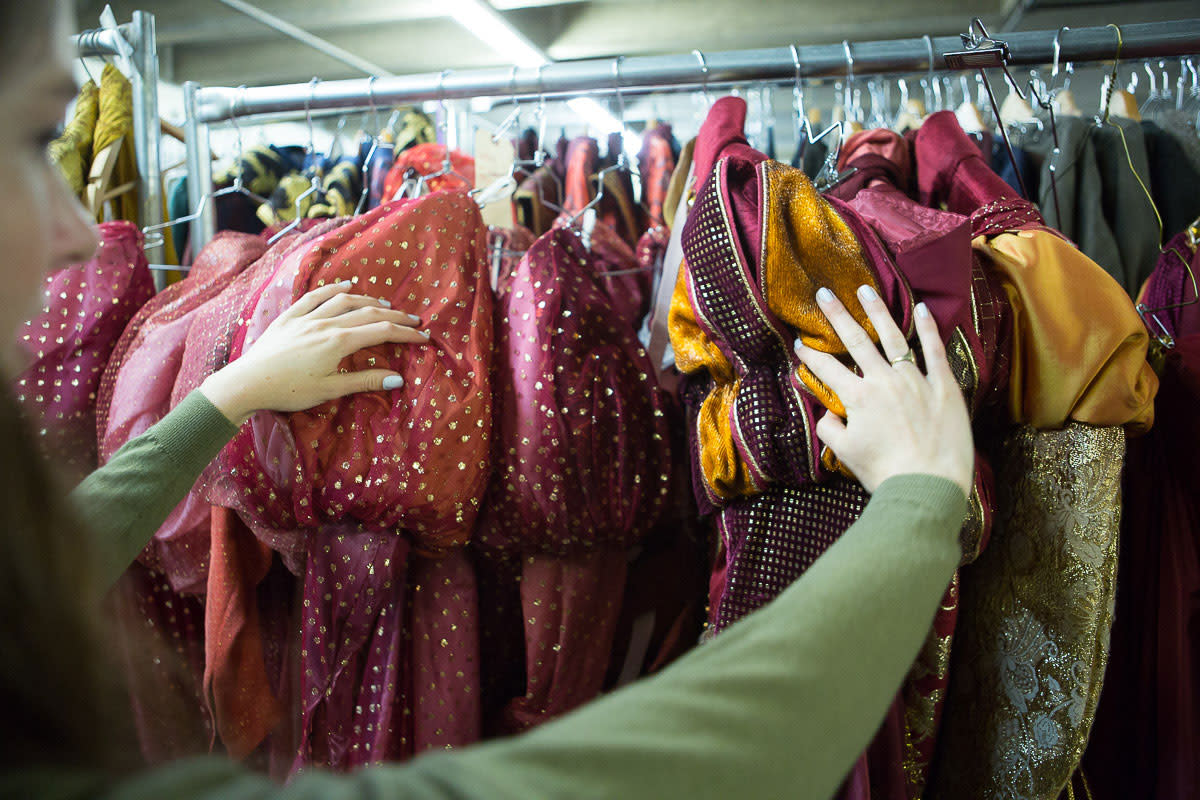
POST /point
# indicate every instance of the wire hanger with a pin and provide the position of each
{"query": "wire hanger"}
(1149, 315)
(541, 155)
(315, 181)
(806, 137)
(153, 233)
(376, 133)
(703, 75)
(1061, 96)
(1046, 104)
(447, 166)
(980, 51)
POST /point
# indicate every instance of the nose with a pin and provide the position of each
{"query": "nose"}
(74, 230)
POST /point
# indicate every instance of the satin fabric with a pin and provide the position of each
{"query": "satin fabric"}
(68, 344)
(1079, 348)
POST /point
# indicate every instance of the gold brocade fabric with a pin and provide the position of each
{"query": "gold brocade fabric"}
(72, 152)
(115, 123)
(806, 246)
(1079, 347)
(1037, 608)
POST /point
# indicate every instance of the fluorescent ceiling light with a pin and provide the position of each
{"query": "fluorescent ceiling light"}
(485, 22)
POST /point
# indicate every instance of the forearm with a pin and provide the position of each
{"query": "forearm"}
(778, 705)
(126, 500)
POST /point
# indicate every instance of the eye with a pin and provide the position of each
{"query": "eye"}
(44, 137)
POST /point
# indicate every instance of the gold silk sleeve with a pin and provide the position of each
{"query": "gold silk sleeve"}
(1079, 347)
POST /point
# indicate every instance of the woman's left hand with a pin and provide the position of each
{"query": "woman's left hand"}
(294, 364)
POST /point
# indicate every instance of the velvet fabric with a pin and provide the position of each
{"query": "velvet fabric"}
(69, 342)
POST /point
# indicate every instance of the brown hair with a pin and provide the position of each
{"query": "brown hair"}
(57, 690)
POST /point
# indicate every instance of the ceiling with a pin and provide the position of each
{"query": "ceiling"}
(204, 41)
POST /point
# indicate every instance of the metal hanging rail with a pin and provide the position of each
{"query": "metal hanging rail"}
(141, 37)
(1155, 39)
(206, 105)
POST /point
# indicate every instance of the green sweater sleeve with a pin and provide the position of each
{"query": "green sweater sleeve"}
(127, 499)
(779, 705)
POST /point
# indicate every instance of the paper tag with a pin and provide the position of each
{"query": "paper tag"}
(493, 162)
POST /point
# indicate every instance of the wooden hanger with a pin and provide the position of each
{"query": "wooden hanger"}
(100, 188)
(1016, 109)
(1123, 104)
(969, 118)
(1065, 105)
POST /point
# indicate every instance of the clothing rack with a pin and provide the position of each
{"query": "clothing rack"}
(206, 105)
(140, 36)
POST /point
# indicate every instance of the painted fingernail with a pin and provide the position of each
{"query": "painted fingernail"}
(798, 346)
(824, 295)
(922, 311)
(415, 319)
(867, 294)
(393, 382)
(384, 303)
(345, 284)
(424, 333)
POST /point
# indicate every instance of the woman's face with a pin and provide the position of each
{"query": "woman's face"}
(42, 226)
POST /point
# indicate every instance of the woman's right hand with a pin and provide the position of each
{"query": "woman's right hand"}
(294, 364)
(898, 419)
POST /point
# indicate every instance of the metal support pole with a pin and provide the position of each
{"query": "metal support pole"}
(146, 125)
(199, 167)
(101, 42)
(1157, 39)
(304, 37)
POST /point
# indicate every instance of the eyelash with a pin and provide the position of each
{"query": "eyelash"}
(45, 137)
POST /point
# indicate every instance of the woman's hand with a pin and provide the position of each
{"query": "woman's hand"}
(898, 420)
(294, 364)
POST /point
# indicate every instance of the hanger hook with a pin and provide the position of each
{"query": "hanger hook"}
(539, 157)
(1057, 52)
(312, 91)
(240, 99)
(703, 72)
(616, 70)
